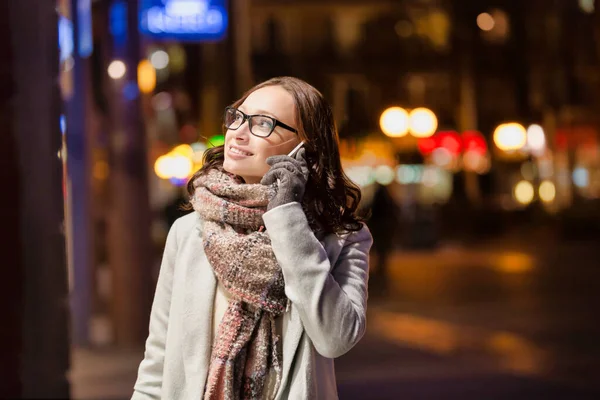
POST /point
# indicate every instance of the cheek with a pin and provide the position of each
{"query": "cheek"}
(268, 152)
(261, 161)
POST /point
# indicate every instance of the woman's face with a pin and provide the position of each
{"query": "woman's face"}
(245, 153)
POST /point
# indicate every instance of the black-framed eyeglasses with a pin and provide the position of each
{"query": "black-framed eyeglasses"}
(260, 125)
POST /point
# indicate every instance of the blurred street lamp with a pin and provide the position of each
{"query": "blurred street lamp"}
(524, 192)
(536, 139)
(173, 165)
(422, 122)
(510, 137)
(162, 167)
(394, 122)
(146, 77)
(159, 59)
(485, 22)
(117, 69)
(183, 150)
(181, 166)
(547, 191)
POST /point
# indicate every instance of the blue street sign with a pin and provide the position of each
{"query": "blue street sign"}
(186, 20)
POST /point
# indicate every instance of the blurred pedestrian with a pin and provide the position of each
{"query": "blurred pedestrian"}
(266, 282)
(383, 224)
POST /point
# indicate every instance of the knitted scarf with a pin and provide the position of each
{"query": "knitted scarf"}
(241, 256)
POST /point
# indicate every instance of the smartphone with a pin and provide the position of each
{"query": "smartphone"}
(291, 154)
(296, 149)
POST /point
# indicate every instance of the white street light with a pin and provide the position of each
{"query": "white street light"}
(423, 122)
(394, 122)
(117, 69)
(536, 139)
(159, 59)
(510, 137)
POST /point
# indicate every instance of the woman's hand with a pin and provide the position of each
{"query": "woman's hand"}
(292, 175)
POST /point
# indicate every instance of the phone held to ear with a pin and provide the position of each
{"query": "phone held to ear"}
(296, 149)
(291, 154)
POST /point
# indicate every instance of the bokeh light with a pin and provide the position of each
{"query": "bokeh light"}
(384, 175)
(162, 167)
(485, 22)
(394, 122)
(587, 6)
(361, 175)
(536, 139)
(474, 141)
(180, 166)
(476, 162)
(524, 192)
(422, 122)
(117, 69)
(217, 140)
(510, 137)
(451, 141)
(146, 76)
(441, 157)
(184, 150)
(581, 177)
(427, 145)
(547, 191)
(162, 101)
(159, 59)
(407, 174)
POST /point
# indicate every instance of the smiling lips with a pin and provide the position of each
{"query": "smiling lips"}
(239, 152)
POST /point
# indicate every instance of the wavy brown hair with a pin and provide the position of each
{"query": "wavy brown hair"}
(331, 199)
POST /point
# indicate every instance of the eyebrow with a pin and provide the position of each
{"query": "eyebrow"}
(260, 112)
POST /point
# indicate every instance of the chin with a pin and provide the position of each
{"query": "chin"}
(231, 167)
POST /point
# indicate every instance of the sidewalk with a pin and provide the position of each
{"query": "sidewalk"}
(502, 319)
(103, 374)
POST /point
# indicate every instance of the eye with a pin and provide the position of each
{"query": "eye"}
(265, 123)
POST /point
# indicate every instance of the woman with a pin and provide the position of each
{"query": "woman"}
(266, 282)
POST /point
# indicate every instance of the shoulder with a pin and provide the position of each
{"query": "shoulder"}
(361, 235)
(185, 225)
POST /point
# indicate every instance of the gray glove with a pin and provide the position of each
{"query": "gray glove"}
(291, 173)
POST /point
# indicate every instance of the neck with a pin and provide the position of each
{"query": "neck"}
(251, 180)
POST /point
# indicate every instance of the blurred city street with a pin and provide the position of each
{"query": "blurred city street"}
(506, 319)
(470, 129)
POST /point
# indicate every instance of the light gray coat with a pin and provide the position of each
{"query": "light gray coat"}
(326, 282)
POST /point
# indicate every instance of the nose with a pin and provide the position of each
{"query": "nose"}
(242, 134)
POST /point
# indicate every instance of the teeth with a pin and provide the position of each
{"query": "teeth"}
(238, 151)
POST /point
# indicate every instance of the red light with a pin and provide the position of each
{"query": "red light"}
(427, 145)
(562, 142)
(450, 141)
(474, 141)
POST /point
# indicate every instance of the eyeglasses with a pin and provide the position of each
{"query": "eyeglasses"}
(260, 125)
